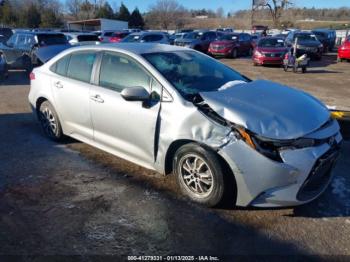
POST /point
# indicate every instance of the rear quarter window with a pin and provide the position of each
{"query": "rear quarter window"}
(60, 67)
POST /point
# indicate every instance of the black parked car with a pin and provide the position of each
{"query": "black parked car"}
(5, 34)
(19, 52)
(307, 44)
(198, 40)
(327, 37)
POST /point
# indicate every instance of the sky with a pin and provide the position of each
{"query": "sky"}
(230, 5)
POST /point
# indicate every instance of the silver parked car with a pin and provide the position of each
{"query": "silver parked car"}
(173, 109)
(147, 37)
(82, 38)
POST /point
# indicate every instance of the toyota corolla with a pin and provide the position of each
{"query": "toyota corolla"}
(176, 110)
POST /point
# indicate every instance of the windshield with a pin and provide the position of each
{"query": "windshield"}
(231, 37)
(85, 38)
(132, 38)
(194, 35)
(307, 37)
(271, 42)
(191, 72)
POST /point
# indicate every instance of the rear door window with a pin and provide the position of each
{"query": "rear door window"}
(80, 66)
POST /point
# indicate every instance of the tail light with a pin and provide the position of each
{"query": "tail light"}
(32, 76)
(114, 39)
(286, 56)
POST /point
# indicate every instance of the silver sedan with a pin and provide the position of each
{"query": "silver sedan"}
(175, 110)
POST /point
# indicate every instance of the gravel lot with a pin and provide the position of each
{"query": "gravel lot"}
(72, 199)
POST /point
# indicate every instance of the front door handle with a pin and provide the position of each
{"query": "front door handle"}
(58, 84)
(97, 98)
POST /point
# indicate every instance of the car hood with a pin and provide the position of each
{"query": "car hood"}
(187, 41)
(4, 47)
(271, 49)
(223, 42)
(269, 109)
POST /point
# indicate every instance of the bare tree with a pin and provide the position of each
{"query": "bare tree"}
(74, 7)
(276, 8)
(219, 12)
(166, 13)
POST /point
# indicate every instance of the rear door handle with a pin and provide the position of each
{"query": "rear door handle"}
(97, 98)
(58, 84)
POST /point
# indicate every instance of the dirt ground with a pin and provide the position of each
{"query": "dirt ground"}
(71, 199)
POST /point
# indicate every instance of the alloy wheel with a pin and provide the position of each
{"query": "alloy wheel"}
(196, 175)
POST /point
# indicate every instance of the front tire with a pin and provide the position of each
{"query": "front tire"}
(50, 122)
(199, 174)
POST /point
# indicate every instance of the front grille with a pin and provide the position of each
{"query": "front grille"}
(274, 54)
(308, 49)
(319, 175)
(218, 47)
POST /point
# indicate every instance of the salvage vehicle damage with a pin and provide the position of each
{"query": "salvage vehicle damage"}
(286, 150)
(279, 143)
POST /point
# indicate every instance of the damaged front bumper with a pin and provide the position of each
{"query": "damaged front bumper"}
(301, 177)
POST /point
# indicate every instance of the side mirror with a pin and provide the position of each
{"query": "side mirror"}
(137, 93)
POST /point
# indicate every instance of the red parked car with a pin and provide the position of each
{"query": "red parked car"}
(269, 50)
(118, 36)
(231, 45)
(344, 50)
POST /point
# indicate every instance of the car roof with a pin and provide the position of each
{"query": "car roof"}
(39, 33)
(148, 33)
(77, 34)
(135, 48)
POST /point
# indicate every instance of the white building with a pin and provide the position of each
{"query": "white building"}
(99, 24)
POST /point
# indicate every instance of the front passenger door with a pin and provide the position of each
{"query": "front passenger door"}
(126, 128)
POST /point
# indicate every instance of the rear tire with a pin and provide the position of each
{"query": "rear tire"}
(250, 52)
(303, 69)
(199, 174)
(339, 60)
(234, 53)
(50, 122)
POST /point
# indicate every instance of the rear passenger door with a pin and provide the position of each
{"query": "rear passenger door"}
(124, 127)
(70, 86)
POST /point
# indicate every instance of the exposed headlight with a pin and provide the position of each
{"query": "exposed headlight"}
(259, 54)
(271, 147)
(320, 46)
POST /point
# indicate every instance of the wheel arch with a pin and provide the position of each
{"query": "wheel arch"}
(38, 103)
(229, 176)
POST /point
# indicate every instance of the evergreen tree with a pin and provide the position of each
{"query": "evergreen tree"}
(7, 15)
(136, 19)
(33, 17)
(124, 13)
(50, 19)
(105, 11)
